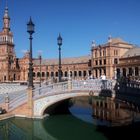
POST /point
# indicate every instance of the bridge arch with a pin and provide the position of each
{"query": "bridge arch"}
(41, 104)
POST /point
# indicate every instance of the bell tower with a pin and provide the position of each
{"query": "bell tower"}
(7, 53)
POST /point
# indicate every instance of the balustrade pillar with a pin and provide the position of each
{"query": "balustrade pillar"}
(7, 102)
(69, 84)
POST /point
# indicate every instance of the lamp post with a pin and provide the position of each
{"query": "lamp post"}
(30, 30)
(40, 68)
(59, 42)
(46, 74)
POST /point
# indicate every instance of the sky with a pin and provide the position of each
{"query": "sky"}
(79, 22)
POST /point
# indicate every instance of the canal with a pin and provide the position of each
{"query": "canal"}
(86, 118)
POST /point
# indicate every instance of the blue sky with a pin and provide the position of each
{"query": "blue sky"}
(78, 21)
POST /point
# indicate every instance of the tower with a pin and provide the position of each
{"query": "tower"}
(7, 53)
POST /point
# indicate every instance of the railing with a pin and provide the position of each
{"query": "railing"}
(50, 89)
(59, 88)
(87, 85)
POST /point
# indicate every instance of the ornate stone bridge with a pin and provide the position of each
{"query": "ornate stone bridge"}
(32, 103)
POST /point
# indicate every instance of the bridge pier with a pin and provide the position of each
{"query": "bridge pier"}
(30, 102)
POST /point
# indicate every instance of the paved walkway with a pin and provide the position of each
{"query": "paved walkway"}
(8, 88)
(13, 90)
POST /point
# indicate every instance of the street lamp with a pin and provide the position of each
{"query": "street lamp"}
(46, 73)
(40, 69)
(30, 30)
(59, 42)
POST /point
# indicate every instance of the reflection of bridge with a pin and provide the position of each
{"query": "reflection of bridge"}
(32, 103)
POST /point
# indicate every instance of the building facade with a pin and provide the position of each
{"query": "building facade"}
(129, 65)
(104, 57)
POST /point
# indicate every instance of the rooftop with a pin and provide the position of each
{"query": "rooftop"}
(71, 60)
(132, 52)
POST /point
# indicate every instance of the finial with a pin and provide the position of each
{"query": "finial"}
(109, 39)
(93, 44)
(6, 9)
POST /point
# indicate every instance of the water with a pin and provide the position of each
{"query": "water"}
(89, 119)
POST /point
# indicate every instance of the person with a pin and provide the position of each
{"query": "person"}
(103, 77)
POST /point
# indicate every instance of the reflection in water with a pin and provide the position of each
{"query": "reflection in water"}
(60, 127)
(89, 120)
(115, 112)
(105, 111)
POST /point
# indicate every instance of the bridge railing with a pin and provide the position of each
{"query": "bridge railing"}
(95, 84)
(50, 89)
(87, 85)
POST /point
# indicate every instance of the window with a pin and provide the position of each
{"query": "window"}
(115, 61)
(104, 61)
(43, 74)
(38, 74)
(84, 73)
(100, 62)
(66, 74)
(96, 62)
(75, 73)
(95, 53)
(80, 73)
(100, 53)
(130, 71)
(48, 74)
(33, 74)
(115, 52)
(52, 74)
(136, 71)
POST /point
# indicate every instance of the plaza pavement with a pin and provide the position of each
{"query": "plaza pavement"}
(12, 90)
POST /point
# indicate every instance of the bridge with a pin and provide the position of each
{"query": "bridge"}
(32, 103)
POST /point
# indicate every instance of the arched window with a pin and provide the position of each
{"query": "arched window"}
(14, 77)
(33, 74)
(124, 72)
(43, 74)
(62, 73)
(38, 74)
(56, 74)
(95, 53)
(66, 74)
(52, 74)
(75, 73)
(80, 73)
(84, 72)
(48, 74)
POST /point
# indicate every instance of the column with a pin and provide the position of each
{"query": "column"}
(138, 71)
(133, 69)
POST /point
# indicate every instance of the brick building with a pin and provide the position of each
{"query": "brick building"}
(105, 56)
(130, 64)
